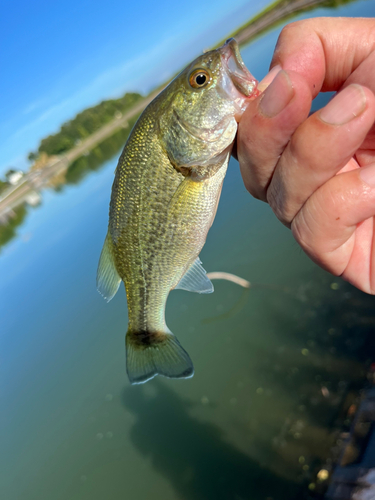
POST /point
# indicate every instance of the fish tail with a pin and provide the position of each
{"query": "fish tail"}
(155, 353)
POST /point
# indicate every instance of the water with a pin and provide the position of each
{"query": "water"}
(273, 364)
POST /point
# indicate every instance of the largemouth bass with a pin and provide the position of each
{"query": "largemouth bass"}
(164, 199)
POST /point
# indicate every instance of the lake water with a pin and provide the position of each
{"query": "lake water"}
(276, 366)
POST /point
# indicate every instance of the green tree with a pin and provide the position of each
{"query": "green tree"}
(8, 230)
(86, 123)
(32, 156)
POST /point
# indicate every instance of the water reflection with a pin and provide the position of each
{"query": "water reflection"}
(193, 455)
(8, 230)
(74, 173)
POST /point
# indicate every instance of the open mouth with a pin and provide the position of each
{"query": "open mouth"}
(241, 77)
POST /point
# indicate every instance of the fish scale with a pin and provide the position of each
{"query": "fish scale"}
(164, 199)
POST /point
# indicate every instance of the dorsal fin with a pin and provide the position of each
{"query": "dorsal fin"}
(107, 277)
(195, 279)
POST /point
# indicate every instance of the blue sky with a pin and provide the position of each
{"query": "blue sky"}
(59, 57)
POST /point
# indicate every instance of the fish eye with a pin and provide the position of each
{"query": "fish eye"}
(199, 78)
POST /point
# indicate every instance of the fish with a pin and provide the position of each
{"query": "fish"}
(164, 199)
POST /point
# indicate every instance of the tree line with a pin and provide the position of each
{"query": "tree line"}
(83, 125)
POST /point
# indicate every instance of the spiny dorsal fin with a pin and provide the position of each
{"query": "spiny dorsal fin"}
(195, 279)
(107, 277)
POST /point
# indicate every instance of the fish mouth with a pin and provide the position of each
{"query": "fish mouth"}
(238, 83)
(241, 77)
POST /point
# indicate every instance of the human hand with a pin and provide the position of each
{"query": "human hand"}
(318, 172)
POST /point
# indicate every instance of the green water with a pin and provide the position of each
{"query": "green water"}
(273, 364)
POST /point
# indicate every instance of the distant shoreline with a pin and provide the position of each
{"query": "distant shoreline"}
(273, 14)
(37, 179)
(271, 18)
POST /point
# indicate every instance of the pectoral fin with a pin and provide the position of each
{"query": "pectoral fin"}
(195, 279)
(107, 278)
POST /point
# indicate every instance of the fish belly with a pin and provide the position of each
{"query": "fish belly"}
(159, 223)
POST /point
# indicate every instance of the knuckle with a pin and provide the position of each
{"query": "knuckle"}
(302, 234)
(291, 28)
(294, 31)
(276, 200)
(283, 195)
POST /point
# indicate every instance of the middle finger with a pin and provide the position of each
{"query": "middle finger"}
(319, 148)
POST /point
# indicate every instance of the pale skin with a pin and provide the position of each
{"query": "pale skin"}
(318, 172)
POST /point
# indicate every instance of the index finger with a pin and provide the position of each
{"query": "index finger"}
(325, 51)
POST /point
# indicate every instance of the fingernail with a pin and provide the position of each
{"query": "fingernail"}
(346, 105)
(367, 174)
(277, 96)
(263, 84)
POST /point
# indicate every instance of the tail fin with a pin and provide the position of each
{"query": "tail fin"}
(156, 353)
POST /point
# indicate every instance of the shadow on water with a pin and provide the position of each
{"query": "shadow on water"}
(193, 455)
(330, 331)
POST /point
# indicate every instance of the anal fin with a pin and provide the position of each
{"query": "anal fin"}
(195, 279)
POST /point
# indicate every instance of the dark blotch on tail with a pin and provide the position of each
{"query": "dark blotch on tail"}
(155, 353)
(144, 339)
